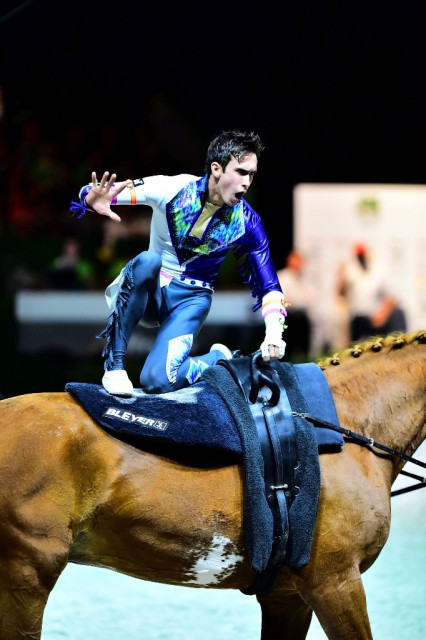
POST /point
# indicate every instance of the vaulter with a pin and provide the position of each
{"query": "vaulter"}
(196, 221)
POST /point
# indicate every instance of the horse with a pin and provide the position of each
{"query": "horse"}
(70, 492)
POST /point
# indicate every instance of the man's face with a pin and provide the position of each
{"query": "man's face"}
(234, 181)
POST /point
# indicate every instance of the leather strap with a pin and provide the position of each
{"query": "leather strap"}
(274, 422)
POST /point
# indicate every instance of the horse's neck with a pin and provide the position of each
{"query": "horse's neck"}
(383, 396)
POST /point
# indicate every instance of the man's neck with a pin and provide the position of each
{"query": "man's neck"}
(213, 196)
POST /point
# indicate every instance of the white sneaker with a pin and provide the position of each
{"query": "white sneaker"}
(227, 354)
(117, 383)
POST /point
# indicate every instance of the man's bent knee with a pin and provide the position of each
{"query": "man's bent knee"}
(163, 374)
(146, 266)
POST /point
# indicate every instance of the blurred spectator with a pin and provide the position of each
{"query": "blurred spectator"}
(301, 295)
(69, 271)
(36, 179)
(373, 307)
(336, 321)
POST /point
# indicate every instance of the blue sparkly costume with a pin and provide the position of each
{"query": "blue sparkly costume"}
(171, 284)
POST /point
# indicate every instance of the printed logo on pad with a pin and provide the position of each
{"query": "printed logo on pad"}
(127, 416)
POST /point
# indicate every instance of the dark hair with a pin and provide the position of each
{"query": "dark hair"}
(230, 144)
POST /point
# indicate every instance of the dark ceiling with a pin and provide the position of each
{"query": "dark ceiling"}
(336, 90)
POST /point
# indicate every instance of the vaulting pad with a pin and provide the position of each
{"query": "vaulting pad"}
(196, 417)
(317, 394)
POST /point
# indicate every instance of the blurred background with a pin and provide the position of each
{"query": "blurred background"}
(336, 91)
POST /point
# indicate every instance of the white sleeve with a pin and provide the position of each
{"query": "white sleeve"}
(153, 190)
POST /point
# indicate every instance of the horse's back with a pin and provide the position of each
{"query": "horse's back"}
(49, 448)
(45, 429)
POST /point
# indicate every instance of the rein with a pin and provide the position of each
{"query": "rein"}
(369, 442)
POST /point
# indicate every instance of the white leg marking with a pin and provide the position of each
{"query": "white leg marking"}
(217, 563)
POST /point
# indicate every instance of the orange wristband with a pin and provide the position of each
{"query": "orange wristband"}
(132, 191)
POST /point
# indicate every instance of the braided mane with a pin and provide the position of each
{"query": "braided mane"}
(375, 344)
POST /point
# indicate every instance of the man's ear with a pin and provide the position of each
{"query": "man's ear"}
(216, 169)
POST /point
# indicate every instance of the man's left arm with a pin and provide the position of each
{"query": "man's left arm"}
(266, 287)
(274, 314)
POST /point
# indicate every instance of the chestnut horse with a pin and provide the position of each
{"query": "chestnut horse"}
(69, 492)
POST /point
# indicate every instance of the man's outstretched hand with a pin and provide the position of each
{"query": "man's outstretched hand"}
(102, 193)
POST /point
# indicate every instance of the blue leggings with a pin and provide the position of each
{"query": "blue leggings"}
(179, 309)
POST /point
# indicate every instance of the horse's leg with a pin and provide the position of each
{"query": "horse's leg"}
(41, 483)
(34, 551)
(285, 616)
(24, 590)
(340, 605)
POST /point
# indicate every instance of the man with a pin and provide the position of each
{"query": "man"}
(196, 221)
(301, 296)
(373, 307)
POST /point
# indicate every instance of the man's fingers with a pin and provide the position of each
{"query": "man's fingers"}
(120, 188)
(279, 350)
(104, 179)
(272, 351)
(111, 181)
(101, 195)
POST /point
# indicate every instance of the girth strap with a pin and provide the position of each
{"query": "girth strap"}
(272, 415)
